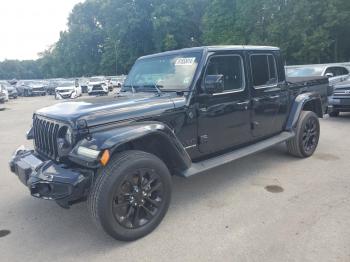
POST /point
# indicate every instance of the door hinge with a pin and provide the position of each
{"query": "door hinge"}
(254, 124)
(203, 139)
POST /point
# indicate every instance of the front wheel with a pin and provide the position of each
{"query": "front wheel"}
(307, 135)
(131, 195)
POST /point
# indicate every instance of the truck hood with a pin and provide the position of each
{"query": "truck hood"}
(103, 110)
(343, 85)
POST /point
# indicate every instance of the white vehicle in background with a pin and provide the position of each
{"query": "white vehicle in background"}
(5, 92)
(98, 86)
(116, 81)
(2, 97)
(335, 72)
(84, 83)
(67, 90)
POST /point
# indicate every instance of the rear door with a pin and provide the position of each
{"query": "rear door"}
(269, 95)
(224, 118)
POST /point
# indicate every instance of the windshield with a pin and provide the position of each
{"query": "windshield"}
(305, 71)
(5, 84)
(97, 79)
(66, 84)
(172, 72)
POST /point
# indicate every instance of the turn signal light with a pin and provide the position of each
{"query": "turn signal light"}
(105, 157)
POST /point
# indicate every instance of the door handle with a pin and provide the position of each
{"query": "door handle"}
(243, 104)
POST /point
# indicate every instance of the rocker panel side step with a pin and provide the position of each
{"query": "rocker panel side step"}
(200, 167)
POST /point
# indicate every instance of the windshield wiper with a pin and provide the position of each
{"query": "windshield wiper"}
(158, 89)
(131, 87)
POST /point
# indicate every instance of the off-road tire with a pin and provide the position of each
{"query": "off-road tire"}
(295, 146)
(334, 113)
(109, 178)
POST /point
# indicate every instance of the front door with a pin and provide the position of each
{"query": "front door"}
(224, 119)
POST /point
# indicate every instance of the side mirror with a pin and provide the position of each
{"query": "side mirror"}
(329, 75)
(214, 84)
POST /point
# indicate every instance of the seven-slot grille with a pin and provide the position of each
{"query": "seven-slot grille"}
(45, 137)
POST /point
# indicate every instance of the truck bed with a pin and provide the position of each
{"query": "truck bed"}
(318, 84)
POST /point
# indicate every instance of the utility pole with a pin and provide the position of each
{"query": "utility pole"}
(116, 56)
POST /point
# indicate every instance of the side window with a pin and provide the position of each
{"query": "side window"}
(344, 71)
(264, 70)
(331, 70)
(337, 71)
(231, 67)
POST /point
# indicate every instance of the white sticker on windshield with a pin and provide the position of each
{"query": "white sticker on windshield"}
(185, 61)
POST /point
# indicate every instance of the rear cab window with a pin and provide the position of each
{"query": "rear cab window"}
(264, 70)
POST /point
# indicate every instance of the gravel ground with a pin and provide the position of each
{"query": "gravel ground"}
(225, 215)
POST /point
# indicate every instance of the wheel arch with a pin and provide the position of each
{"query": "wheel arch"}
(304, 102)
(152, 137)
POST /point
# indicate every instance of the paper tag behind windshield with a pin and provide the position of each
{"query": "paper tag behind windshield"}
(188, 61)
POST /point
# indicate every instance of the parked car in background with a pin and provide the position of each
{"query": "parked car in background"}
(50, 88)
(98, 86)
(31, 88)
(335, 72)
(68, 90)
(2, 97)
(84, 83)
(116, 81)
(12, 91)
(5, 91)
(340, 100)
(13, 82)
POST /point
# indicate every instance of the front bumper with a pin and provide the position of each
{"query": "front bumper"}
(36, 92)
(66, 95)
(13, 95)
(51, 181)
(339, 104)
(98, 92)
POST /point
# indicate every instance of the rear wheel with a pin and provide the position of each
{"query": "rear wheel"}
(307, 135)
(334, 113)
(131, 195)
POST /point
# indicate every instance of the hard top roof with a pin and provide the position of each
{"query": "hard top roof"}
(215, 48)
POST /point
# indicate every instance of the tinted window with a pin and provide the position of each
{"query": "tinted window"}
(231, 68)
(344, 71)
(337, 71)
(263, 70)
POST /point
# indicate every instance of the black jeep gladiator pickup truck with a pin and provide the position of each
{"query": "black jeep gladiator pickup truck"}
(179, 113)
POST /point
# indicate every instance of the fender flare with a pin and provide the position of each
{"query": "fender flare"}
(299, 104)
(115, 138)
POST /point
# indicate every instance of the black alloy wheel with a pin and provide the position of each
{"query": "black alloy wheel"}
(137, 200)
(131, 195)
(307, 135)
(310, 135)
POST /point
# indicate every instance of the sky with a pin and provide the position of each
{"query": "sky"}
(28, 27)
